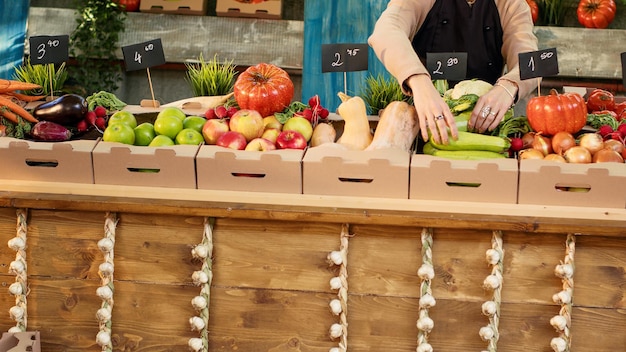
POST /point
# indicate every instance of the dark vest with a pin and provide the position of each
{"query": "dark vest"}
(454, 26)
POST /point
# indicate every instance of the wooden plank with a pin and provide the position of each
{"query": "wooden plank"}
(296, 207)
(246, 41)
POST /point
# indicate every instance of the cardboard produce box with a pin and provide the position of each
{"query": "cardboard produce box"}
(277, 171)
(69, 161)
(271, 9)
(183, 7)
(583, 185)
(489, 180)
(329, 170)
(168, 166)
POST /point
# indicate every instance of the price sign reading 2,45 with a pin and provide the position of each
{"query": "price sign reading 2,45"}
(143, 55)
(344, 57)
(47, 49)
(539, 63)
(451, 66)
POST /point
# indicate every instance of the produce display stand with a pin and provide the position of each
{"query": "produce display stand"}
(275, 262)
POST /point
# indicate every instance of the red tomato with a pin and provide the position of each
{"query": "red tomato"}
(534, 9)
(265, 88)
(596, 13)
(619, 107)
(129, 5)
(600, 99)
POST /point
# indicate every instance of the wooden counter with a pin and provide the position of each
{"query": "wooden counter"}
(270, 289)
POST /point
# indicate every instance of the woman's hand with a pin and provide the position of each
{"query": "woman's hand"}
(490, 108)
(432, 111)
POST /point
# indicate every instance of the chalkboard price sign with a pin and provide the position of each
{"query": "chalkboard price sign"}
(450, 66)
(540, 63)
(49, 49)
(623, 58)
(143, 55)
(344, 57)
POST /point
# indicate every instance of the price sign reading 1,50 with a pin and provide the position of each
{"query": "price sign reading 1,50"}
(539, 63)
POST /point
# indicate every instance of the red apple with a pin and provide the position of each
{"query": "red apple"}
(247, 122)
(272, 122)
(299, 124)
(271, 134)
(291, 140)
(213, 129)
(260, 144)
(232, 140)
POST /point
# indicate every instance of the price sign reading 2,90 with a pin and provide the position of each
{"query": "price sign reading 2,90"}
(47, 49)
(143, 55)
(539, 63)
(451, 66)
(344, 57)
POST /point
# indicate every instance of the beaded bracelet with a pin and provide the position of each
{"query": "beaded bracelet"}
(507, 90)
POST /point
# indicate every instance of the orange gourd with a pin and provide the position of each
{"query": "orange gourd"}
(397, 127)
(357, 134)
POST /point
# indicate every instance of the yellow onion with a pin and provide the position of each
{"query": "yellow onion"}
(530, 153)
(542, 144)
(614, 144)
(591, 141)
(562, 141)
(607, 156)
(555, 157)
(577, 155)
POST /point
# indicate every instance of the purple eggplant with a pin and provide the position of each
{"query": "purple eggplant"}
(66, 110)
(47, 131)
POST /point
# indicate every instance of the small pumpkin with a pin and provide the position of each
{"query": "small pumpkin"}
(553, 113)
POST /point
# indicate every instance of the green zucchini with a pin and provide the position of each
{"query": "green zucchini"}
(430, 149)
(474, 141)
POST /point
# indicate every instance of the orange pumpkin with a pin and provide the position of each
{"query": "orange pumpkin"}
(553, 113)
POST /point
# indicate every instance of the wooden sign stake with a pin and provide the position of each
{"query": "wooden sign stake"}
(154, 103)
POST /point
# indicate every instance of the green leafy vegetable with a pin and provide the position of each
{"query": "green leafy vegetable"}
(105, 99)
(293, 108)
(598, 120)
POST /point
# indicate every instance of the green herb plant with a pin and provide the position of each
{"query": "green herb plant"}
(211, 78)
(51, 79)
(94, 44)
(379, 91)
(552, 12)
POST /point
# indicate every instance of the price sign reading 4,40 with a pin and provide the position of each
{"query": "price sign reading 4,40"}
(540, 63)
(344, 57)
(143, 55)
(450, 66)
(48, 49)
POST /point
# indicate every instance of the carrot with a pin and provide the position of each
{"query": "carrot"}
(18, 110)
(8, 85)
(9, 115)
(26, 98)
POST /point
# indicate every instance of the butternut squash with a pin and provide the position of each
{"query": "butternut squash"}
(356, 131)
(323, 133)
(397, 127)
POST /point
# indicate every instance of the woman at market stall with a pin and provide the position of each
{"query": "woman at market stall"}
(491, 32)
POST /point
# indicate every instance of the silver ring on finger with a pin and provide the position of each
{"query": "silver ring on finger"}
(485, 111)
(439, 117)
(492, 113)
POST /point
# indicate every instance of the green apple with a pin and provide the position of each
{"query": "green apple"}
(161, 141)
(299, 124)
(194, 122)
(144, 133)
(172, 111)
(120, 133)
(123, 116)
(189, 136)
(168, 126)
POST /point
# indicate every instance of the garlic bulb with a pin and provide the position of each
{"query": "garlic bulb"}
(197, 323)
(427, 301)
(196, 344)
(335, 306)
(426, 272)
(16, 312)
(489, 308)
(335, 257)
(564, 271)
(334, 349)
(103, 315)
(200, 251)
(106, 268)
(16, 289)
(492, 256)
(103, 338)
(558, 344)
(105, 244)
(199, 277)
(563, 297)
(17, 243)
(424, 347)
(15, 329)
(17, 266)
(492, 282)
(336, 330)
(199, 302)
(559, 322)
(104, 292)
(486, 333)
(425, 324)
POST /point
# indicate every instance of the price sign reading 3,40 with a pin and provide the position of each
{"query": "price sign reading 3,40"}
(47, 49)
(541, 63)
(450, 66)
(143, 55)
(344, 57)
